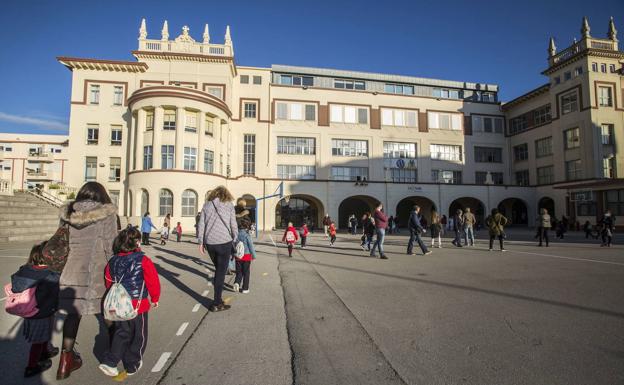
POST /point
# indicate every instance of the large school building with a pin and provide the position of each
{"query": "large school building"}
(161, 131)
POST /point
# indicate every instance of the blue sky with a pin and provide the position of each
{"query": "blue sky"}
(481, 41)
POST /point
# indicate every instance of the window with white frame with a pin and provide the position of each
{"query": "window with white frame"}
(399, 150)
(444, 120)
(541, 115)
(488, 154)
(543, 147)
(446, 93)
(348, 114)
(167, 154)
(114, 196)
(215, 91)
(401, 175)
(190, 121)
(208, 161)
(90, 168)
(487, 124)
(149, 120)
(481, 177)
(446, 176)
(612, 68)
(521, 152)
(296, 145)
(348, 147)
(349, 173)
(116, 135)
(147, 158)
(522, 178)
(250, 109)
(349, 84)
(94, 94)
(488, 97)
(604, 97)
(608, 167)
(190, 158)
(574, 169)
(603, 68)
(287, 171)
(518, 124)
(296, 111)
(296, 80)
(400, 89)
(606, 133)
(594, 66)
(118, 95)
(545, 175)
(571, 138)
(93, 133)
(209, 126)
(189, 203)
(445, 152)
(578, 71)
(249, 154)
(569, 103)
(400, 118)
(165, 202)
(169, 120)
(115, 170)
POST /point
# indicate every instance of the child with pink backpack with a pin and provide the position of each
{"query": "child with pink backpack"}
(290, 237)
(33, 295)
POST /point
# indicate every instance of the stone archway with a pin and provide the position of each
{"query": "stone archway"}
(356, 205)
(515, 210)
(476, 207)
(404, 208)
(546, 203)
(298, 209)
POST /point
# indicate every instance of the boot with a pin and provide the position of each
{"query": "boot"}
(69, 362)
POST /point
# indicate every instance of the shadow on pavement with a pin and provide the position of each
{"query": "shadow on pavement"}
(172, 277)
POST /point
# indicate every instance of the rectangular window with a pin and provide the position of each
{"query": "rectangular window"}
(250, 110)
(167, 154)
(487, 124)
(612, 68)
(90, 168)
(118, 95)
(614, 200)
(296, 146)
(93, 133)
(445, 152)
(401, 175)
(595, 67)
(522, 178)
(244, 79)
(444, 121)
(567, 76)
(574, 170)
(578, 71)
(606, 131)
(115, 170)
(398, 150)
(249, 155)
(209, 126)
(349, 84)
(94, 94)
(296, 111)
(603, 68)
(190, 158)
(481, 177)
(543, 147)
(215, 91)
(521, 152)
(557, 80)
(488, 154)
(545, 175)
(399, 118)
(352, 148)
(604, 97)
(518, 124)
(114, 196)
(488, 97)
(115, 135)
(348, 114)
(541, 115)
(257, 80)
(401, 89)
(446, 176)
(149, 120)
(295, 172)
(208, 161)
(147, 158)
(190, 121)
(569, 103)
(169, 122)
(295, 80)
(608, 167)
(310, 112)
(349, 173)
(282, 111)
(571, 138)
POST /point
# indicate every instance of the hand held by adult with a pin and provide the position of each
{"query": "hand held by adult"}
(201, 249)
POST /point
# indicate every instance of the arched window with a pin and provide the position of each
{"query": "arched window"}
(166, 203)
(144, 202)
(189, 203)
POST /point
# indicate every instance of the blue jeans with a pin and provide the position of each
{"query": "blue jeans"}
(415, 236)
(381, 234)
(469, 235)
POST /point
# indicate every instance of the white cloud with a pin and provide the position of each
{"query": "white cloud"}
(32, 121)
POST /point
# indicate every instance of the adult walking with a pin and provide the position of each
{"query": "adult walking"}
(458, 227)
(146, 228)
(415, 229)
(436, 229)
(217, 232)
(607, 224)
(496, 223)
(93, 226)
(368, 231)
(469, 223)
(381, 222)
(353, 224)
(326, 223)
(544, 226)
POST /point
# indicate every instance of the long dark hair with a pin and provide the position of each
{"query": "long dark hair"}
(90, 191)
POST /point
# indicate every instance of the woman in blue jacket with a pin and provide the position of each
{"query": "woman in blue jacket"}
(146, 227)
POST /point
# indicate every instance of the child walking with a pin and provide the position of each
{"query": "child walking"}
(436, 230)
(243, 265)
(178, 230)
(332, 233)
(37, 329)
(290, 237)
(304, 235)
(137, 274)
(164, 235)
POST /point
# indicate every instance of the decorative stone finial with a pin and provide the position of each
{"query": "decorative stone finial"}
(165, 31)
(228, 37)
(143, 30)
(206, 35)
(185, 30)
(612, 34)
(552, 49)
(585, 28)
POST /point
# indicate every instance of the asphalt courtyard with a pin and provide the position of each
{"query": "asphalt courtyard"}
(333, 315)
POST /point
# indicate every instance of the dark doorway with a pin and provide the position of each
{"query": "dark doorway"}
(548, 204)
(475, 205)
(356, 205)
(404, 208)
(515, 210)
(298, 209)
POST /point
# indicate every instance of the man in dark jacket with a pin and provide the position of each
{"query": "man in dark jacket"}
(415, 228)
(458, 227)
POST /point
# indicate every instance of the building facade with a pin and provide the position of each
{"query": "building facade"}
(162, 131)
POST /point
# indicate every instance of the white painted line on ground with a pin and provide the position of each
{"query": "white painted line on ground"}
(161, 362)
(182, 329)
(571, 258)
(205, 293)
(272, 240)
(196, 308)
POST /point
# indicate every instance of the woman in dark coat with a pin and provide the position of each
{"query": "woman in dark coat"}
(93, 222)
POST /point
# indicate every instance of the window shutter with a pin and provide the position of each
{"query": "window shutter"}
(310, 112)
(336, 114)
(456, 121)
(411, 119)
(433, 120)
(296, 111)
(362, 116)
(477, 123)
(399, 118)
(386, 117)
(282, 111)
(349, 114)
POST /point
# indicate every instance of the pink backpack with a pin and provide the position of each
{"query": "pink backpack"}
(23, 304)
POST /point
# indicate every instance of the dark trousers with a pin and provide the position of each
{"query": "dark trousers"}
(243, 272)
(129, 342)
(178, 237)
(303, 241)
(332, 239)
(543, 235)
(220, 256)
(290, 249)
(606, 238)
(145, 239)
(500, 240)
(415, 236)
(457, 240)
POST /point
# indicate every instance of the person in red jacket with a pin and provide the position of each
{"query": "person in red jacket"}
(332, 234)
(381, 222)
(304, 235)
(290, 237)
(137, 274)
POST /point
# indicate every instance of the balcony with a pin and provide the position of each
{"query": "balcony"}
(171, 46)
(41, 157)
(580, 46)
(38, 176)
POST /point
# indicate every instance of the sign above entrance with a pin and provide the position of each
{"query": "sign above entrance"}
(414, 188)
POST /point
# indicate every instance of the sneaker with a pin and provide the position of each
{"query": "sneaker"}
(236, 287)
(108, 370)
(489, 249)
(503, 249)
(363, 248)
(137, 369)
(246, 291)
(439, 246)
(383, 256)
(428, 252)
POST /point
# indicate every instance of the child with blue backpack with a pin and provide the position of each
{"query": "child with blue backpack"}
(138, 276)
(33, 295)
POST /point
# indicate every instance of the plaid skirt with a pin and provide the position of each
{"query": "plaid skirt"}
(38, 330)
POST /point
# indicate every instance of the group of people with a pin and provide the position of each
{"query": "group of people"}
(147, 225)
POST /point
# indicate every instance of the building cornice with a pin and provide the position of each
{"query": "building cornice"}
(529, 95)
(186, 57)
(604, 53)
(101, 65)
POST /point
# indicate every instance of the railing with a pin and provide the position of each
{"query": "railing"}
(42, 195)
(41, 156)
(580, 46)
(36, 175)
(602, 45)
(185, 47)
(6, 187)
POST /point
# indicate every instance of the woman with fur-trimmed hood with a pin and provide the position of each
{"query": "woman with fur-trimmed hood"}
(93, 225)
